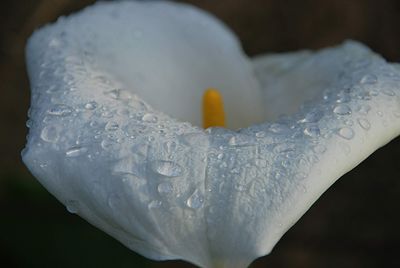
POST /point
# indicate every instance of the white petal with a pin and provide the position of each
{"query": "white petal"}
(170, 190)
(167, 54)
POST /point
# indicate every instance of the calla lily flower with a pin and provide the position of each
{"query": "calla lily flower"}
(115, 128)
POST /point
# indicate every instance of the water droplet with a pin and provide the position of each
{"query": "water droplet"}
(364, 95)
(29, 123)
(76, 151)
(260, 134)
(151, 118)
(369, 79)
(240, 141)
(373, 92)
(108, 144)
(170, 146)
(154, 204)
(364, 123)
(106, 114)
(165, 188)
(388, 92)
(220, 156)
(312, 131)
(284, 147)
(167, 168)
(348, 122)
(111, 126)
(312, 117)
(346, 133)
(278, 128)
(91, 105)
(196, 200)
(319, 149)
(49, 134)
(261, 163)
(113, 201)
(60, 110)
(343, 97)
(342, 109)
(114, 94)
(364, 109)
(72, 206)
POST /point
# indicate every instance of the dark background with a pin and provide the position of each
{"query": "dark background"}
(354, 224)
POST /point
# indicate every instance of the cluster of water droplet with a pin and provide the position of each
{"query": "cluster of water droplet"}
(84, 116)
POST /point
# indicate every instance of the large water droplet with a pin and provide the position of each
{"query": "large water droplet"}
(170, 146)
(319, 149)
(346, 133)
(364, 109)
(154, 204)
(49, 134)
(388, 92)
(72, 206)
(364, 123)
(91, 105)
(114, 94)
(196, 200)
(60, 110)
(167, 168)
(342, 109)
(312, 131)
(278, 128)
(109, 144)
(111, 126)
(151, 118)
(369, 79)
(312, 117)
(165, 188)
(262, 163)
(76, 151)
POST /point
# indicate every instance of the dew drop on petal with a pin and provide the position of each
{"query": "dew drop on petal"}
(154, 204)
(151, 118)
(50, 134)
(364, 123)
(312, 117)
(369, 79)
(76, 151)
(319, 149)
(108, 144)
(165, 188)
(260, 134)
(312, 131)
(60, 110)
(72, 206)
(114, 94)
(278, 128)
(111, 126)
(91, 105)
(346, 133)
(196, 200)
(262, 163)
(167, 168)
(388, 92)
(364, 109)
(170, 146)
(342, 109)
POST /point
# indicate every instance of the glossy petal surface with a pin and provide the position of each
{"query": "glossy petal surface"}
(167, 189)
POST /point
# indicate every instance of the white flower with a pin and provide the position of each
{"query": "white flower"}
(169, 189)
